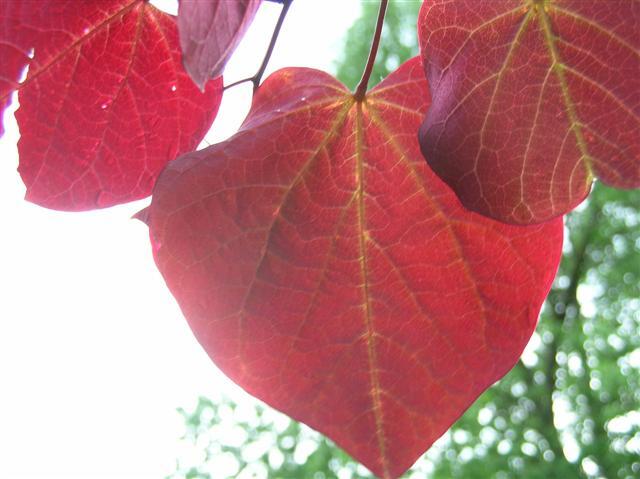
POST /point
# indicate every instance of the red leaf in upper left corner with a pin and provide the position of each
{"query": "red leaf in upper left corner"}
(106, 102)
(210, 30)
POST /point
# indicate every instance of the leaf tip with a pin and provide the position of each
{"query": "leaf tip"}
(142, 215)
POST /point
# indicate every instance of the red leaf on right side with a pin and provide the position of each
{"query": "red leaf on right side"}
(210, 30)
(328, 271)
(532, 100)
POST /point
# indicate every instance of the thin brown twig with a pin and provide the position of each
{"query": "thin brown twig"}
(257, 77)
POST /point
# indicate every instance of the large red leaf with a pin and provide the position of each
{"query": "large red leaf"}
(532, 99)
(106, 102)
(330, 273)
(210, 31)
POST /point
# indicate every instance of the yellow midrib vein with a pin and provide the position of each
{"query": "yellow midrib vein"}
(558, 68)
(499, 78)
(369, 337)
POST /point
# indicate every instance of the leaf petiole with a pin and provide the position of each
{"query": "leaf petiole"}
(361, 89)
(255, 79)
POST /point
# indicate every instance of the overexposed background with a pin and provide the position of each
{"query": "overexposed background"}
(95, 355)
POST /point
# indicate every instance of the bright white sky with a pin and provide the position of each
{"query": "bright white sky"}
(95, 355)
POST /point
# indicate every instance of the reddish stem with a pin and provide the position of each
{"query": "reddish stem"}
(361, 89)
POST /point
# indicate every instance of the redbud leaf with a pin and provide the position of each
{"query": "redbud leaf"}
(532, 100)
(210, 31)
(329, 272)
(15, 48)
(106, 102)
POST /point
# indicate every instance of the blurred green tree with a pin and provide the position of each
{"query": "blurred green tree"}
(398, 43)
(569, 409)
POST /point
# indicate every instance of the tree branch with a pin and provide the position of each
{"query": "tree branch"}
(567, 299)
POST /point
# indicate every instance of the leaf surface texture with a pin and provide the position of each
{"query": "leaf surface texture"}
(330, 273)
(106, 102)
(532, 100)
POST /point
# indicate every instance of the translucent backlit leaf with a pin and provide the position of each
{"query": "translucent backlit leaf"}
(14, 51)
(106, 102)
(532, 100)
(330, 273)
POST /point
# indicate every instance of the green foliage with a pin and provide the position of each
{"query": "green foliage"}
(254, 441)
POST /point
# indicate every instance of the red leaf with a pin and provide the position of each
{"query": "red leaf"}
(210, 31)
(330, 273)
(531, 101)
(106, 102)
(14, 51)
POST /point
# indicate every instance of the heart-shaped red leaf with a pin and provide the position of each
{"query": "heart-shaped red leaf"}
(330, 273)
(532, 99)
(106, 102)
(210, 31)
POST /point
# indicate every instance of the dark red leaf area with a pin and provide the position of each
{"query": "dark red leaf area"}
(210, 30)
(106, 102)
(532, 100)
(330, 273)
